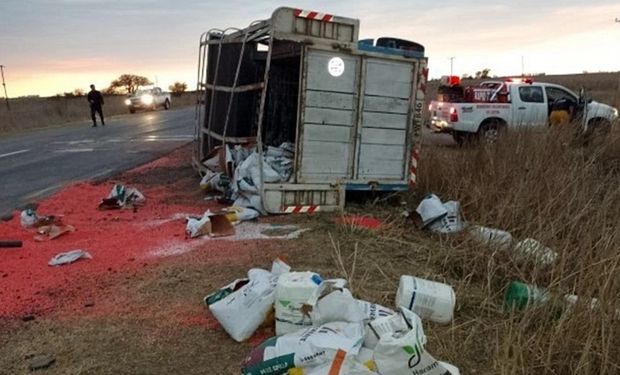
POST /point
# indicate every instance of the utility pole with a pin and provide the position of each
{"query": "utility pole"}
(522, 66)
(6, 96)
(451, 65)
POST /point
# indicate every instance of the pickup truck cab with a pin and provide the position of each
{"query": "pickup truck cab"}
(148, 98)
(486, 109)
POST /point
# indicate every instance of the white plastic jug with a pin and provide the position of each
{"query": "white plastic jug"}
(429, 299)
(294, 289)
(492, 237)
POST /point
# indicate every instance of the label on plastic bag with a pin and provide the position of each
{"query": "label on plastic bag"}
(307, 348)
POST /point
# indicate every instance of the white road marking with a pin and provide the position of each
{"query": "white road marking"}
(76, 150)
(14, 153)
(73, 142)
(99, 174)
(42, 192)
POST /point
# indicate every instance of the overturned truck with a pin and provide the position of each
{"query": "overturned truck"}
(349, 111)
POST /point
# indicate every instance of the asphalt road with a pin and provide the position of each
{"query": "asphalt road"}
(36, 164)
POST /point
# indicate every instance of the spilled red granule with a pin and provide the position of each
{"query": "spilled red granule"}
(364, 222)
(118, 240)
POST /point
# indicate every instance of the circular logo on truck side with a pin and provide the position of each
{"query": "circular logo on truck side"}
(335, 66)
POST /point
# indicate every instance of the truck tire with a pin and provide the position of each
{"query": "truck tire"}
(132, 110)
(489, 131)
(167, 104)
(598, 130)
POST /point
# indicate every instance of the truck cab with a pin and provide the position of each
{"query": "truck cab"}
(514, 103)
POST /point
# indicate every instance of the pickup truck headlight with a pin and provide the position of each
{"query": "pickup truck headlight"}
(147, 99)
(127, 102)
(615, 113)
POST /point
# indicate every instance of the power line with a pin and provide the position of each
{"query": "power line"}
(6, 96)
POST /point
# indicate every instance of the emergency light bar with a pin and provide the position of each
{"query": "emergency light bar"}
(450, 80)
(529, 81)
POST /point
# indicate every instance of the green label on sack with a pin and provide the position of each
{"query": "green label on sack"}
(275, 366)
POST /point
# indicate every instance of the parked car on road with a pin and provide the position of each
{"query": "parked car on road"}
(488, 108)
(148, 98)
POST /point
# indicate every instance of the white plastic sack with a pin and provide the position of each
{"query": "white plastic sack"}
(491, 237)
(69, 257)
(402, 351)
(211, 181)
(243, 311)
(338, 306)
(402, 321)
(242, 213)
(451, 222)
(28, 218)
(279, 267)
(430, 209)
(194, 226)
(126, 195)
(342, 364)
(306, 348)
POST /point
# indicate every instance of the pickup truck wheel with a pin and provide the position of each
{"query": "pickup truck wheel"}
(598, 129)
(461, 138)
(489, 131)
(131, 110)
(167, 104)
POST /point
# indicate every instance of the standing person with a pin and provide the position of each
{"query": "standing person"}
(96, 102)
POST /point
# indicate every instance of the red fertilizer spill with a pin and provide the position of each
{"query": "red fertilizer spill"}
(118, 240)
(364, 222)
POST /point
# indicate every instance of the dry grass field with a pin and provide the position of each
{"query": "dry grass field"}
(37, 113)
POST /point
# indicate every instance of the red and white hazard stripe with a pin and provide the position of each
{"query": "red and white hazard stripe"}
(301, 209)
(309, 14)
(413, 170)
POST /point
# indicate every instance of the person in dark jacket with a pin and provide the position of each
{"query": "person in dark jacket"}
(96, 102)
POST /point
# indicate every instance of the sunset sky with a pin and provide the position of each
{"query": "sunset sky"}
(54, 46)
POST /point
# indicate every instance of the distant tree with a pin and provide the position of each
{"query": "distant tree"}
(467, 76)
(484, 73)
(109, 91)
(178, 88)
(129, 83)
(78, 92)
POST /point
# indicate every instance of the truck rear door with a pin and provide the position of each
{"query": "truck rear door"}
(529, 106)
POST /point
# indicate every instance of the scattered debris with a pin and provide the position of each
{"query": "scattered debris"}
(242, 306)
(40, 362)
(28, 218)
(440, 217)
(69, 257)
(429, 299)
(238, 214)
(401, 338)
(52, 232)
(11, 243)
(305, 348)
(530, 249)
(122, 197)
(430, 209)
(491, 237)
(236, 172)
(294, 289)
(28, 318)
(211, 224)
(364, 222)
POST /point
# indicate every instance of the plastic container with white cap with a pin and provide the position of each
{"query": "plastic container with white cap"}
(294, 289)
(429, 299)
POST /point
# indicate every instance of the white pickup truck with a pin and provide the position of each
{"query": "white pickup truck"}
(148, 98)
(486, 109)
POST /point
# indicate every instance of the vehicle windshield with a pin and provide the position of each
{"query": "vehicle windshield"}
(143, 92)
